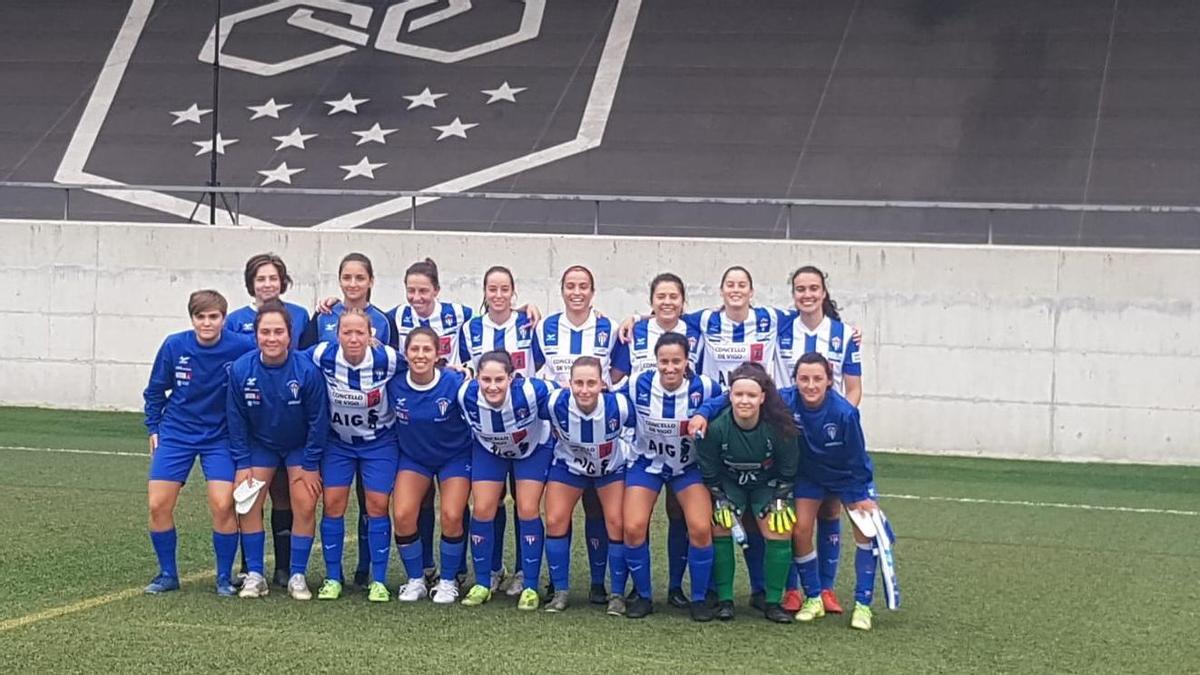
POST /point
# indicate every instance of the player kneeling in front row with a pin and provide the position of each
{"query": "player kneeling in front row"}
(834, 462)
(748, 455)
(278, 412)
(191, 366)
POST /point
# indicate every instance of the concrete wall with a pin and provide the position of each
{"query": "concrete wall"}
(1070, 354)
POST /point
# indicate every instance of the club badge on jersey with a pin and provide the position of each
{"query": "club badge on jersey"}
(662, 419)
(728, 344)
(561, 343)
(590, 445)
(358, 404)
(514, 429)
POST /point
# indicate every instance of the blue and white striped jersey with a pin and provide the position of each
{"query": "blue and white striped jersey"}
(639, 357)
(729, 344)
(518, 426)
(662, 418)
(447, 321)
(359, 411)
(831, 339)
(590, 444)
(515, 336)
(557, 343)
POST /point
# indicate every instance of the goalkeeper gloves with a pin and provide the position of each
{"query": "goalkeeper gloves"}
(780, 515)
(723, 512)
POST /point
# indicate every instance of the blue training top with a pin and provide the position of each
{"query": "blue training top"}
(429, 420)
(835, 456)
(196, 377)
(323, 327)
(241, 320)
(277, 408)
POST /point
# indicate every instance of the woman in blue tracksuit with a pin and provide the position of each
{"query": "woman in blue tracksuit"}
(833, 463)
(185, 417)
(278, 414)
(435, 442)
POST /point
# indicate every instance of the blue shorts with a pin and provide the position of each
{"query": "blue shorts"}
(559, 473)
(638, 476)
(270, 459)
(458, 466)
(487, 466)
(376, 461)
(806, 489)
(174, 462)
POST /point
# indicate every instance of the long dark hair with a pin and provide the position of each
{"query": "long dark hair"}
(497, 356)
(425, 268)
(667, 278)
(483, 307)
(774, 411)
(362, 260)
(828, 306)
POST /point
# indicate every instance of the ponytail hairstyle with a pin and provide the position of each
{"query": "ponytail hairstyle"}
(274, 307)
(774, 411)
(497, 356)
(676, 340)
(813, 357)
(494, 269)
(361, 259)
(426, 268)
(257, 261)
(828, 306)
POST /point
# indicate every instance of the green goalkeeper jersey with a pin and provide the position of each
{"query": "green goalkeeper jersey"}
(750, 458)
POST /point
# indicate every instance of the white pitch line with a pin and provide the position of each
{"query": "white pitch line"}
(75, 451)
(1052, 505)
(86, 604)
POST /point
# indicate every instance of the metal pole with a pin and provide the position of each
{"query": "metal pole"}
(787, 232)
(67, 204)
(596, 218)
(237, 208)
(216, 110)
(412, 214)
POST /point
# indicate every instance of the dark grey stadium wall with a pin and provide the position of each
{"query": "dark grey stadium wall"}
(1027, 101)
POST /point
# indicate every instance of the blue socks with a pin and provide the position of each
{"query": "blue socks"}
(864, 574)
(558, 556)
(499, 522)
(755, 555)
(617, 571)
(164, 544)
(254, 548)
(425, 520)
(412, 554)
(677, 552)
(333, 532)
(453, 550)
(637, 558)
(531, 538)
(700, 562)
(597, 548)
(829, 549)
(379, 537)
(483, 548)
(810, 576)
(225, 546)
(301, 550)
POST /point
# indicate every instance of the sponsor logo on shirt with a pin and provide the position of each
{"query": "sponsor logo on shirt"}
(518, 360)
(444, 345)
(604, 449)
(756, 352)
